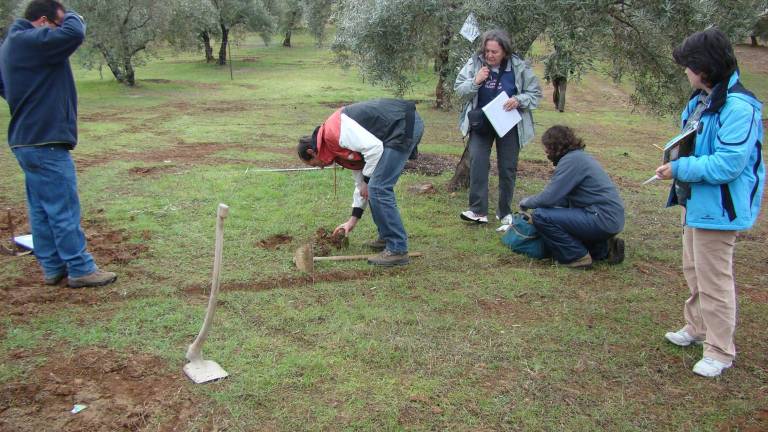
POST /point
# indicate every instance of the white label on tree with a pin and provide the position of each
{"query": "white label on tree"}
(470, 30)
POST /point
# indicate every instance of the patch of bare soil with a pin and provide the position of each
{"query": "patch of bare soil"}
(132, 392)
(336, 104)
(287, 281)
(13, 222)
(26, 295)
(756, 422)
(535, 169)
(754, 59)
(275, 241)
(431, 164)
(181, 154)
(151, 170)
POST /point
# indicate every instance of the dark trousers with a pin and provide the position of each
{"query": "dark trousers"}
(571, 233)
(507, 152)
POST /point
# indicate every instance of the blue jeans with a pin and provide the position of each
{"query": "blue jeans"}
(572, 232)
(54, 210)
(381, 193)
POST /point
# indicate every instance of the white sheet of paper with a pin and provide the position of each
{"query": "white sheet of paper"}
(502, 121)
(24, 241)
(470, 30)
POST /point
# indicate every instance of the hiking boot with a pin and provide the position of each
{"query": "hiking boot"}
(471, 216)
(388, 258)
(710, 368)
(54, 280)
(96, 279)
(378, 245)
(615, 251)
(682, 338)
(582, 263)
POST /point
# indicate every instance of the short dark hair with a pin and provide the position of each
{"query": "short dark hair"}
(305, 143)
(708, 53)
(501, 37)
(559, 140)
(42, 8)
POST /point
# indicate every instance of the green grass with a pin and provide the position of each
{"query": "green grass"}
(469, 337)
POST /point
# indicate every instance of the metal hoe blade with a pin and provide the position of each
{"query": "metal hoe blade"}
(203, 371)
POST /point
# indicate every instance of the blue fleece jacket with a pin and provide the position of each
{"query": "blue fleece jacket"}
(36, 80)
(726, 171)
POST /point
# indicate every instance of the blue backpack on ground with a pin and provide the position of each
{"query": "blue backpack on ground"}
(523, 238)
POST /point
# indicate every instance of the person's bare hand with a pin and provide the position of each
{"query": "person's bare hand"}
(511, 103)
(664, 172)
(482, 75)
(347, 226)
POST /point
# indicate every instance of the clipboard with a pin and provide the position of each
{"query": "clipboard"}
(681, 145)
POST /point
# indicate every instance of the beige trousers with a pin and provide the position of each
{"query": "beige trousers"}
(710, 311)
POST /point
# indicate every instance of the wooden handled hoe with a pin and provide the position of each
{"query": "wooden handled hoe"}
(305, 259)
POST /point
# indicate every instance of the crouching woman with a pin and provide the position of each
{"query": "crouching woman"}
(579, 213)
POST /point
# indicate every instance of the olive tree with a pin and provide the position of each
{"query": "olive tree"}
(193, 26)
(250, 14)
(123, 31)
(636, 38)
(387, 39)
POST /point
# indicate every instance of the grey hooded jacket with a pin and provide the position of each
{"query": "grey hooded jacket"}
(529, 93)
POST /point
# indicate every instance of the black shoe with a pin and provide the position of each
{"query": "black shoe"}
(378, 245)
(388, 259)
(615, 251)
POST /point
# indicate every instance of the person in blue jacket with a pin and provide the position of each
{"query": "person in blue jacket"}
(720, 186)
(36, 80)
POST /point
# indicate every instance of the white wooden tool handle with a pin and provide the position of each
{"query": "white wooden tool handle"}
(194, 352)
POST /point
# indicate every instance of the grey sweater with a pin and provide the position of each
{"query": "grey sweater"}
(580, 182)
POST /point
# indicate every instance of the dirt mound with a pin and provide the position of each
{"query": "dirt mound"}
(273, 242)
(422, 189)
(431, 164)
(120, 392)
(324, 241)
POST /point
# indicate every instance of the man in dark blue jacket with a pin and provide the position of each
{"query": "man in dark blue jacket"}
(36, 80)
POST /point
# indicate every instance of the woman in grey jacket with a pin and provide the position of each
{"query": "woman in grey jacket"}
(490, 71)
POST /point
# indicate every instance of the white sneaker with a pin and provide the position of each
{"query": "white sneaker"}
(506, 220)
(471, 216)
(709, 367)
(682, 338)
